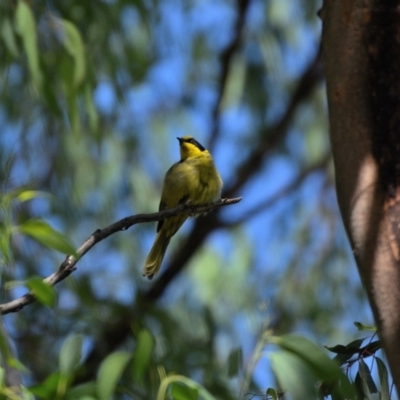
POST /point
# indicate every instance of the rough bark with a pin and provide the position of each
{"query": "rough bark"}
(361, 53)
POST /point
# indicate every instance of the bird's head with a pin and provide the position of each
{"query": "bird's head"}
(190, 147)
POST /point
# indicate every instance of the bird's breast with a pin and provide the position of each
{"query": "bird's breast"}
(194, 179)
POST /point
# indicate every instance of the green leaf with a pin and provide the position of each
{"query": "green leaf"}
(362, 327)
(352, 348)
(75, 47)
(46, 235)
(110, 372)
(70, 354)
(204, 394)
(344, 353)
(73, 111)
(142, 355)
(26, 26)
(323, 367)
(84, 391)
(52, 101)
(26, 394)
(235, 361)
(272, 393)
(16, 364)
(365, 375)
(293, 375)
(373, 347)
(47, 389)
(27, 195)
(362, 388)
(8, 36)
(91, 108)
(383, 379)
(183, 392)
(42, 290)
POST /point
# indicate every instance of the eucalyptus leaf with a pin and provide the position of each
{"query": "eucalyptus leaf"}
(43, 233)
(293, 375)
(43, 292)
(26, 26)
(365, 374)
(142, 356)
(322, 366)
(383, 379)
(71, 354)
(110, 372)
(74, 44)
(183, 392)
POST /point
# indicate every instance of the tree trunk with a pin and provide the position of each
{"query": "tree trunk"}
(361, 47)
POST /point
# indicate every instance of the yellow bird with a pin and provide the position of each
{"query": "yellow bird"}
(193, 179)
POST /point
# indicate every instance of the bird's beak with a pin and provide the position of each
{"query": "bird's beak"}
(180, 140)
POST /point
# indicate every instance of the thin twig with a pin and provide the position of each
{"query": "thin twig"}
(69, 264)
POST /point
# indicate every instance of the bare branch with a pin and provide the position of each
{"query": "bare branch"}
(226, 60)
(69, 264)
(281, 193)
(272, 136)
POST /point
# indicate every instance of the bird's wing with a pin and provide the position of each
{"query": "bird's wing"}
(175, 188)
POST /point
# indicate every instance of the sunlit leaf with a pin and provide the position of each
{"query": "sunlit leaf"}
(323, 367)
(272, 393)
(110, 372)
(183, 392)
(293, 375)
(44, 293)
(46, 389)
(173, 379)
(46, 235)
(27, 195)
(85, 391)
(142, 356)
(26, 25)
(362, 327)
(75, 47)
(70, 354)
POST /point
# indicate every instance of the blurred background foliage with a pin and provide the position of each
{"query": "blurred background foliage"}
(92, 97)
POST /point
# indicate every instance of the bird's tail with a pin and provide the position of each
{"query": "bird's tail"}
(156, 255)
